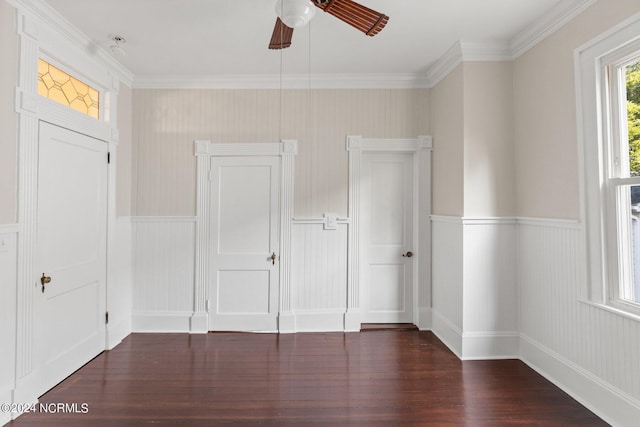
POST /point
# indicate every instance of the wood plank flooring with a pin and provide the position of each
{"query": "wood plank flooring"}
(381, 378)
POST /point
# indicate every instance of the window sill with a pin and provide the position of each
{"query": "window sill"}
(615, 310)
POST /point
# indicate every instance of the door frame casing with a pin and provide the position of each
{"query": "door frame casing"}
(421, 148)
(41, 36)
(204, 151)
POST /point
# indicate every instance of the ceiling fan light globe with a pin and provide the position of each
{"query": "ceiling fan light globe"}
(295, 13)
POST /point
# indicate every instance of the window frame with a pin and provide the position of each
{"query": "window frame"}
(604, 184)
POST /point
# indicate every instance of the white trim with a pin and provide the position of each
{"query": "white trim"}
(161, 321)
(467, 50)
(508, 220)
(485, 50)
(606, 401)
(421, 148)
(161, 219)
(204, 150)
(444, 65)
(425, 318)
(117, 332)
(9, 228)
(51, 17)
(489, 221)
(490, 345)
(449, 219)
(612, 309)
(43, 33)
(319, 320)
(318, 221)
(447, 332)
(550, 222)
(290, 81)
(550, 22)
(592, 131)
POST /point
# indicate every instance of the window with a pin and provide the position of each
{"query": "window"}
(55, 84)
(622, 184)
(608, 104)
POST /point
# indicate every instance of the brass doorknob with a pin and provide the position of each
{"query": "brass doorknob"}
(408, 254)
(44, 280)
(273, 258)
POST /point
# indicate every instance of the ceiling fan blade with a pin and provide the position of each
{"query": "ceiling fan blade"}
(281, 37)
(358, 16)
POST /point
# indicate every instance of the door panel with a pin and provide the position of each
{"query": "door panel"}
(245, 209)
(387, 224)
(72, 213)
(245, 218)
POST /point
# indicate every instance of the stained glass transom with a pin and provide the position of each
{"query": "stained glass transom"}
(55, 84)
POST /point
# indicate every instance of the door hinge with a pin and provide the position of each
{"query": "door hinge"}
(108, 157)
(106, 318)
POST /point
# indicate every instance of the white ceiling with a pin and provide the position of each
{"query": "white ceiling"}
(230, 37)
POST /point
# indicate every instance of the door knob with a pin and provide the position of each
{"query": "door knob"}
(273, 258)
(44, 280)
(408, 254)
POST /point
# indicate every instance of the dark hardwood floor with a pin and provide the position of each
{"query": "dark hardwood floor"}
(381, 378)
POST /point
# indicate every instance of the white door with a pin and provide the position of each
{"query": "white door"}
(72, 216)
(245, 237)
(387, 237)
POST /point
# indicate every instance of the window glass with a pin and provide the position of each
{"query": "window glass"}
(59, 86)
(633, 116)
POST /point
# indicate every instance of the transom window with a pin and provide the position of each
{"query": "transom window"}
(59, 86)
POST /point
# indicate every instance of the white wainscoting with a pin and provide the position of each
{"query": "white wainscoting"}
(319, 275)
(447, 280)
(474, 286)
(163, 275)
(490, 301)
(120, 282)
(8, 281)
(590, 353)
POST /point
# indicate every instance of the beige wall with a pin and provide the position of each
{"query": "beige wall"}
(123, 173)
(8, 118)
(545, 114)
(489, 185)
(166, 122)
(447, 128)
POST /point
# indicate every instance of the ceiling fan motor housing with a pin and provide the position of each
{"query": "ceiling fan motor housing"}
(295, 13)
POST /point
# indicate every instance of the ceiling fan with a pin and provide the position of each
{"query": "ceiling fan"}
(296, 13)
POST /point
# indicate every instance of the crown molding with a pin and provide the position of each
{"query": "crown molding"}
(466, 51)
(445, 64)
(501, 50)
(461, 51)
(547, 24)
(287, 81)
(51, 17)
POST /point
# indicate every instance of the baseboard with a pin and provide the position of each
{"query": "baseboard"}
(606, 401)
(170, 321)
(6, 397)
(490, 345)
(424, 319)
(117, 332)
(447, 332)
(199, 323)
(319, 321)
(352, 321)
(28, 389)
(286, 323)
